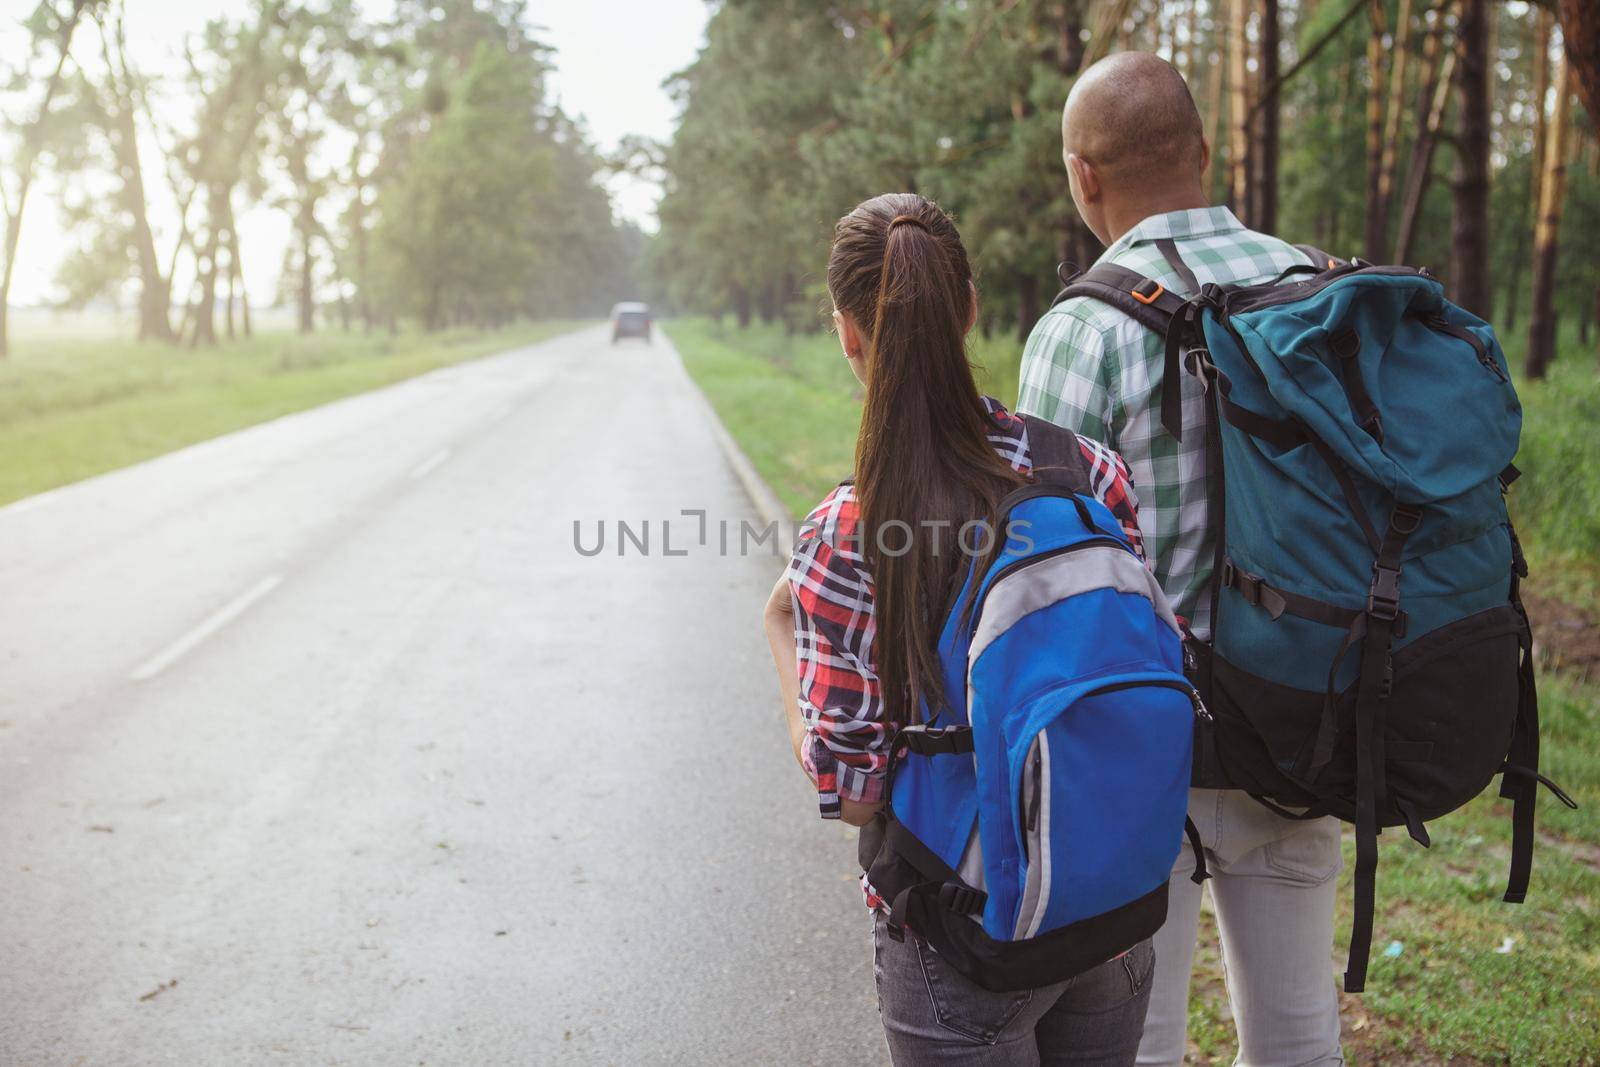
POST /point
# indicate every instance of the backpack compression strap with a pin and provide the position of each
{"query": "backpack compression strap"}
(1056, 456)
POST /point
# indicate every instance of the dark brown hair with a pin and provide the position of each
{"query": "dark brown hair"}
(923, 458)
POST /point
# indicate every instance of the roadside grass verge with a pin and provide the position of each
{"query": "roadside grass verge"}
(72, 407)
(791, 401)
(1449, 995)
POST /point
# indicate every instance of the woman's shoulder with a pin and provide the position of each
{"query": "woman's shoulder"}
(833, 523)
(1008, 435)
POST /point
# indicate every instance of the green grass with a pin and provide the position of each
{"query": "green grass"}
(73, 406)
(1556, 502)
(791, 401)
(1449, 996)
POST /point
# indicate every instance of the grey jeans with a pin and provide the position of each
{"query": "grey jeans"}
(1272, 883)
(934, 1015)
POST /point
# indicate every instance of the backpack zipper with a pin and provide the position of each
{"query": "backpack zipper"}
(1200, 709)
(1440, 324)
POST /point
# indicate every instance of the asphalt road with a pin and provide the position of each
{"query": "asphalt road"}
(320, 743)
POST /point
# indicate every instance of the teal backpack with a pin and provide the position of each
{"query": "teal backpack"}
(1370, 657)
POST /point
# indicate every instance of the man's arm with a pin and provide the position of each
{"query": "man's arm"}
(1067, 377)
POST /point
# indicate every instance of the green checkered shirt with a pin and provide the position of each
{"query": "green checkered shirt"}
(1090, 368)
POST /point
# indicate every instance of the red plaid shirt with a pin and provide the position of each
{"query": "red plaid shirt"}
(847, 742)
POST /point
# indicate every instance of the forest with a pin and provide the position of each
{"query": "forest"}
(418, 163)
(1453, 134)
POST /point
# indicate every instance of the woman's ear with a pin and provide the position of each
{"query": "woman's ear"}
(853, 342)
(972, 317)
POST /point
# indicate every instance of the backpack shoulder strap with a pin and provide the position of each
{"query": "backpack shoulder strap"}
(1145, 301)
(1150, 304)
(1056, 456)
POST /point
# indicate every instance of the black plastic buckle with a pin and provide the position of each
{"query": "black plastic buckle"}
(1249, 585)
(896, 932)
(926, 740)
(1383, 598)
(1197, 361)
(962, 899)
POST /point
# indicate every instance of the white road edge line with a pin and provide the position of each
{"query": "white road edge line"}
(427, 466)
(189, 641)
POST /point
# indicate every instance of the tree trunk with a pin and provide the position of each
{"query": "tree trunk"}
(28, 156)
(1239, 110)
(1216, 114)
(1069, 60)
(1541, 96)
(1373, 243)
(205, 312)
(741, 305)
(227, 314)
(1541, 322)
(1469, 232)
(307, 296)
(154, 288)
(305, 224)
(1435, 99)
(1191, 43)
(1269, 121)
(1508, 319)
(1391, 130)
(236, 271)
(358, 228)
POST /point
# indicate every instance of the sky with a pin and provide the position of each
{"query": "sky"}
(611, 59)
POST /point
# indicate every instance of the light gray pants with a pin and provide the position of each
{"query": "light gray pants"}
(1272, 884)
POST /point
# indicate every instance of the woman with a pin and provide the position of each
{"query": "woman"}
(854, 621)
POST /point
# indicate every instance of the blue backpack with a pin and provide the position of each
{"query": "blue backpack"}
(1035, 819)
(1370, 657)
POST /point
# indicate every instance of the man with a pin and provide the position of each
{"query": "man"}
(1135, 153)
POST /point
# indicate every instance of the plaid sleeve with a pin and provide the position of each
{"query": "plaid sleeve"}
(1067, 375)
(847, 739)
(1113, 485)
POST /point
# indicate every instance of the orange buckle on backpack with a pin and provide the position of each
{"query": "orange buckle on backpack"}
(1153, 297)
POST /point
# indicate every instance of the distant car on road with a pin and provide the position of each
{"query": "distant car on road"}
(630, 320)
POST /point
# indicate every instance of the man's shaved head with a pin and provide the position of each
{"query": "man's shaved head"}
(1130, 116)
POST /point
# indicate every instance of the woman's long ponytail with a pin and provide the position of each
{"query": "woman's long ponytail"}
(924, 465)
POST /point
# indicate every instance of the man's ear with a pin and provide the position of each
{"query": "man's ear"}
(1083, 175)
(1205, 154)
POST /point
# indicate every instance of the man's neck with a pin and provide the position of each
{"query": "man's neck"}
(1120, 218)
